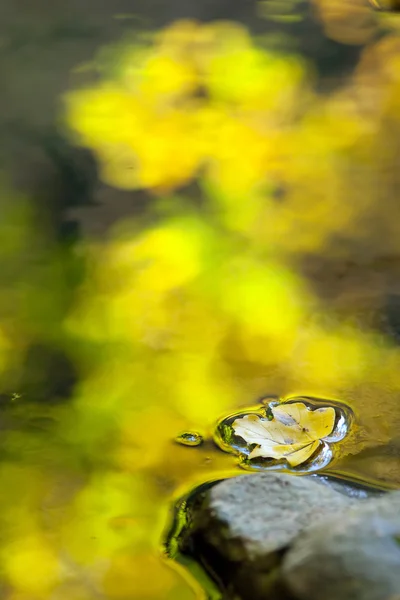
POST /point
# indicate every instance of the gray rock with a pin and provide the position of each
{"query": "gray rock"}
(356, 556)
(263, 513)
(243, 525)
(351, 489)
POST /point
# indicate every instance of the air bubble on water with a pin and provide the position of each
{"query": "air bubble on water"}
(189, 438)
(226, 439)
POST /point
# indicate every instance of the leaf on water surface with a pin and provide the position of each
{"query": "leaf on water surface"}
(294, 432)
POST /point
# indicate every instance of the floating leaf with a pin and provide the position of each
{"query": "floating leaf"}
(294, 432)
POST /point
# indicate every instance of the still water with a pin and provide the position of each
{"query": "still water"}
(213, 222)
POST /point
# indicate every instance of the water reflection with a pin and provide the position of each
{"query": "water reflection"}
(189, 439)
(271, 271)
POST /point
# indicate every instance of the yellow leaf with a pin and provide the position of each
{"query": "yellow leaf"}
(312, 424)
(294, 433)
(295, 454)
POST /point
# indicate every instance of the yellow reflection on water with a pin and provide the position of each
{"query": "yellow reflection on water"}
(182, 318)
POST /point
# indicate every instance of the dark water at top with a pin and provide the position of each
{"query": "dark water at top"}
(109, 377)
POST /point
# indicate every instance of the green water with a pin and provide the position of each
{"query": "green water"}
(98, 385)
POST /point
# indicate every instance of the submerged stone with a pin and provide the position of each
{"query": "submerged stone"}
(354, 556)
(243, 528)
